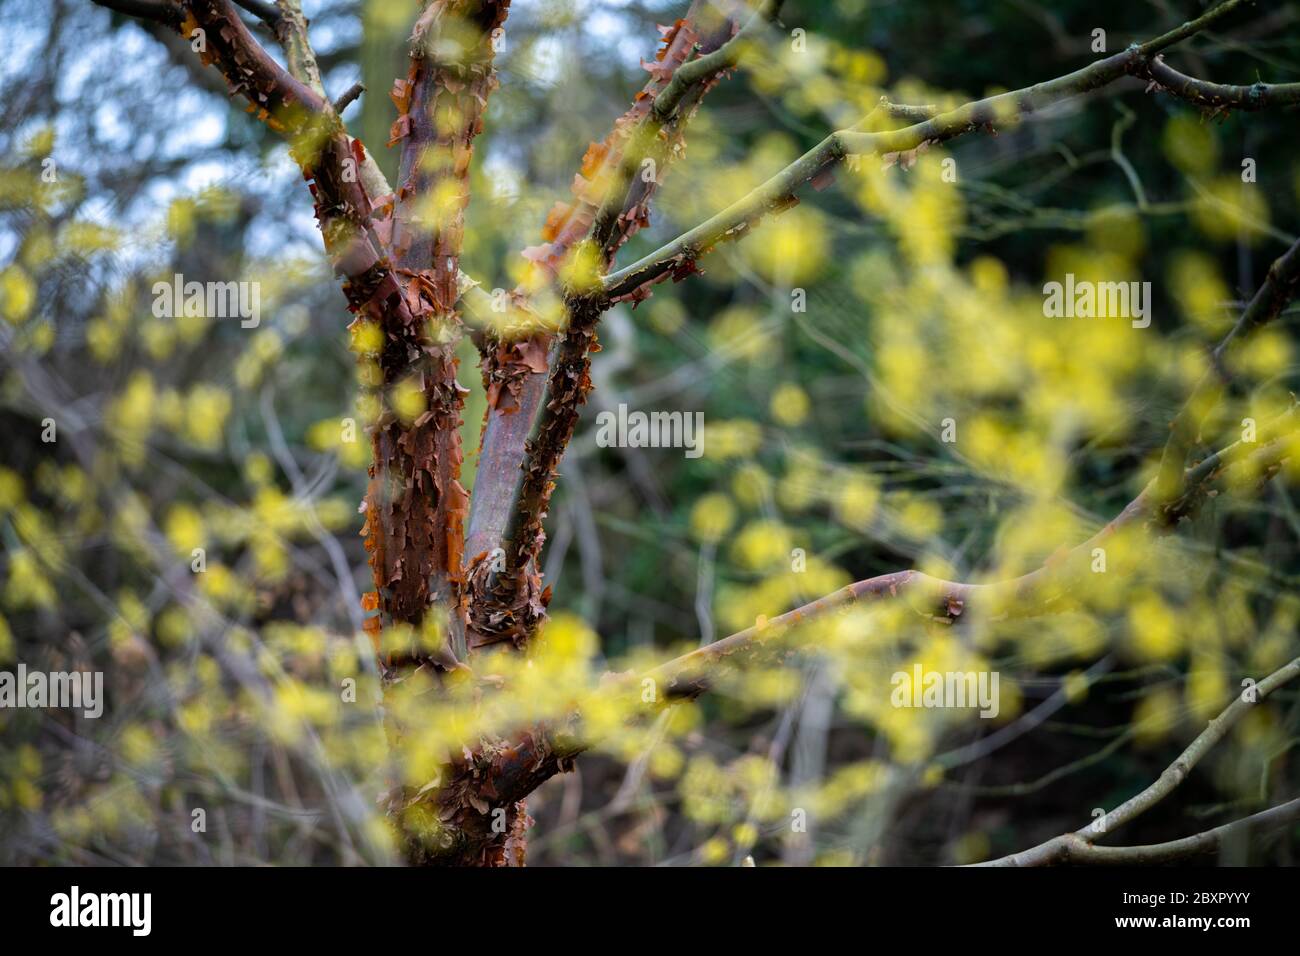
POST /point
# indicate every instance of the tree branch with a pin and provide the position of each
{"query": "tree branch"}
(282, 101)
(266, 12)
(302, 115)
(1174, 851)
(1280, 286)
(347, 97)
(1218, 96)
(658, 134)
(415, 505)
(1079, 846)
(521, 447)
(156, 11)
(290, 28)
(317, 140)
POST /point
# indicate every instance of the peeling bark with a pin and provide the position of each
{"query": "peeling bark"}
(528, 426)
(416, 505)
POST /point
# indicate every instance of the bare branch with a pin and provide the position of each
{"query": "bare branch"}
(1190, 28)
(1279, 287)
(266, 12)
(282, 101)
(1211, 841)
(348, 96)
(1218, 96)
(902, 111)
(1078, 847)
(290, 27)
(704, 68)
(156, 11)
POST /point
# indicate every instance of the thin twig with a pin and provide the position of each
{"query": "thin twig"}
(345, 100)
